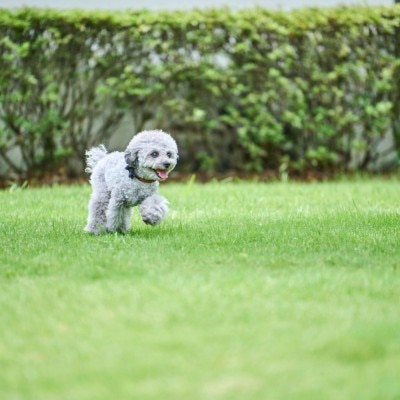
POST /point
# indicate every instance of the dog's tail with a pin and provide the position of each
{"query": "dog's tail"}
(93, 156)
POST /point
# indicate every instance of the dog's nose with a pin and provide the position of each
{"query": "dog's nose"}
(167, 164)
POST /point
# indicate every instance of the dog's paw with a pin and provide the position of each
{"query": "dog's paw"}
(94, 230)
(153, 218)
(153, 209)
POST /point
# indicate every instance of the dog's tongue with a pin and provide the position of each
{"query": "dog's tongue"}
(162, 174)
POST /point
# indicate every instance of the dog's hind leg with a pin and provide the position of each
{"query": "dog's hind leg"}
(97, 212)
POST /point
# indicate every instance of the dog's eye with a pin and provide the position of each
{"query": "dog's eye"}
(154, 154)
(169, 154)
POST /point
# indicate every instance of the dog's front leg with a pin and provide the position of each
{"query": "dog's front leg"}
(153, 209)
(117, 215)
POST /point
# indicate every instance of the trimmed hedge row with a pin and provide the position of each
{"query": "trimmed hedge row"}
(243, 90)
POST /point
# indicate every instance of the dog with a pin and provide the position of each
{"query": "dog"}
(122, 180)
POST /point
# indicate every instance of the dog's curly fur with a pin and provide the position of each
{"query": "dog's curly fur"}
(121, 180)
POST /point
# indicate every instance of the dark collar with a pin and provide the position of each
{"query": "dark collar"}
(132, 175)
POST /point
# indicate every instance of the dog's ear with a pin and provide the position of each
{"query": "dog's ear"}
(131, 157)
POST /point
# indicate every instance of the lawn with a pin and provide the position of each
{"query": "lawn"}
(247, 291)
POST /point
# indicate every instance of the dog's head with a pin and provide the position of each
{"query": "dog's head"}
(152, 155)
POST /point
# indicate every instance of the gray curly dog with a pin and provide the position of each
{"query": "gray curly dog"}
(122, 180)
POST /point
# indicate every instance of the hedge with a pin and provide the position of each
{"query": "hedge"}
(245, 90)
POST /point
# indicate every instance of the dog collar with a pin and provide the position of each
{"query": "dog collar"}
(132, 175)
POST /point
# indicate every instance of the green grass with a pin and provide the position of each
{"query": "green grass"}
(247, 291)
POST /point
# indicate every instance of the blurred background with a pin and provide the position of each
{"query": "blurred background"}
(301, 88)
(188, 4)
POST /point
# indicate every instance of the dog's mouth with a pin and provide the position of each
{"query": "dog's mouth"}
(161, 173)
